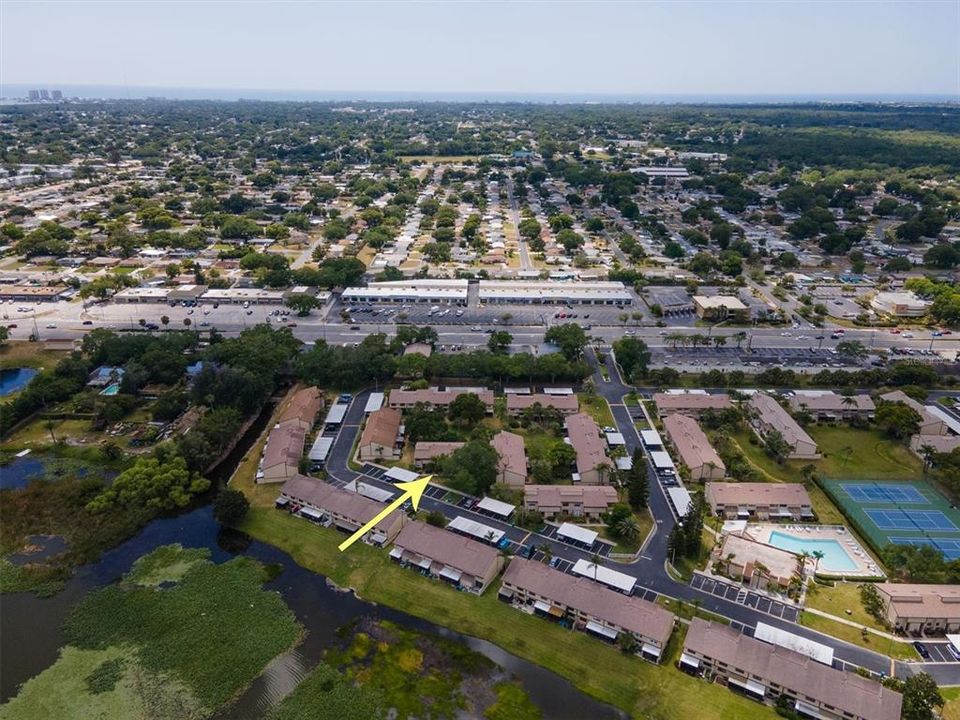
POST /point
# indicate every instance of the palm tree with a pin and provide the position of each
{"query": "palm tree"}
(50, 425)
(719, 341)
(674, 338)
(546, 550)
(164, 320)
(729, 559)
(596, 560)
(927, 452)
(624, 317)
(802, 558)
(845, 453)
(817, 557)
(847, 402)
(637, 317)
(627, 528)
(739, 337)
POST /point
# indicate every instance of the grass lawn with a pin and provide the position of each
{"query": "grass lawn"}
(602, 671)
(19, 353)
(874, 457)
(838, 599)
(882, 645)
(244, 476)
(951, 711)
(824, 508)
(644, 520)
(597, 407)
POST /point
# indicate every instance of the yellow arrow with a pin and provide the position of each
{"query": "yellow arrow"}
(411, 491)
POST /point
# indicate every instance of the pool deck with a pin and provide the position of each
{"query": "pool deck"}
(867, 566)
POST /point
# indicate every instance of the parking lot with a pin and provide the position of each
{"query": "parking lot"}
(497, 314)
(743, 596)
(939, 652)
(757, 356)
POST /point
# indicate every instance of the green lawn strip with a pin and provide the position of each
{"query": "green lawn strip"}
(594, 667)
(76, 688)
(824, 508)
(838, 599)
(951, 710)
(597, 407)
(16, 354)
(215, 630)
(645, 523)
(873, 457)
(882, 645)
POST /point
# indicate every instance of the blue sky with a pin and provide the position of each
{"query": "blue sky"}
(573, 47)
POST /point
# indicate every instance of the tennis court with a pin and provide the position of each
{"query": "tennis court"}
(874, 493)
(910, 519)
(901, 513)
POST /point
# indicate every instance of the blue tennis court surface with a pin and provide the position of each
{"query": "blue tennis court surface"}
(949, 548)
(909, 519)
(875, 493)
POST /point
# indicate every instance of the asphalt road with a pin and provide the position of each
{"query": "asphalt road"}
(649, 568)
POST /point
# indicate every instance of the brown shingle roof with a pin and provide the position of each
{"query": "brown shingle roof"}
(352, 506)
(845, 691)
(693, 446)
(585, 438)
(303, 406)
(591, 598)
(448, 548)
(592, 497)
(927, 601)
(772, 413)
(831, 402)
(564, 403)
(678, 402)
(436, 397)
(424, 451)
(513, 457)
(757, 493)
(382, 427)
(285, 445)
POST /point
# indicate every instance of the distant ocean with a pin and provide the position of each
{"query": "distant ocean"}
(12, 91)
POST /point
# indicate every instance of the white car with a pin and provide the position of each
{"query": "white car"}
(50, 326)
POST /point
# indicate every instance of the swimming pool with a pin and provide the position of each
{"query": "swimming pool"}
(111, 389)
(835, 557)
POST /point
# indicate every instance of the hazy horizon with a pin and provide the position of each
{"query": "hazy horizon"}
(294, 50)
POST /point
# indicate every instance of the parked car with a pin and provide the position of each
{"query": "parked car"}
(85, 322)
(922, 650)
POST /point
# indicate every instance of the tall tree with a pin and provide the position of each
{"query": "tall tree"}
(638, 488)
